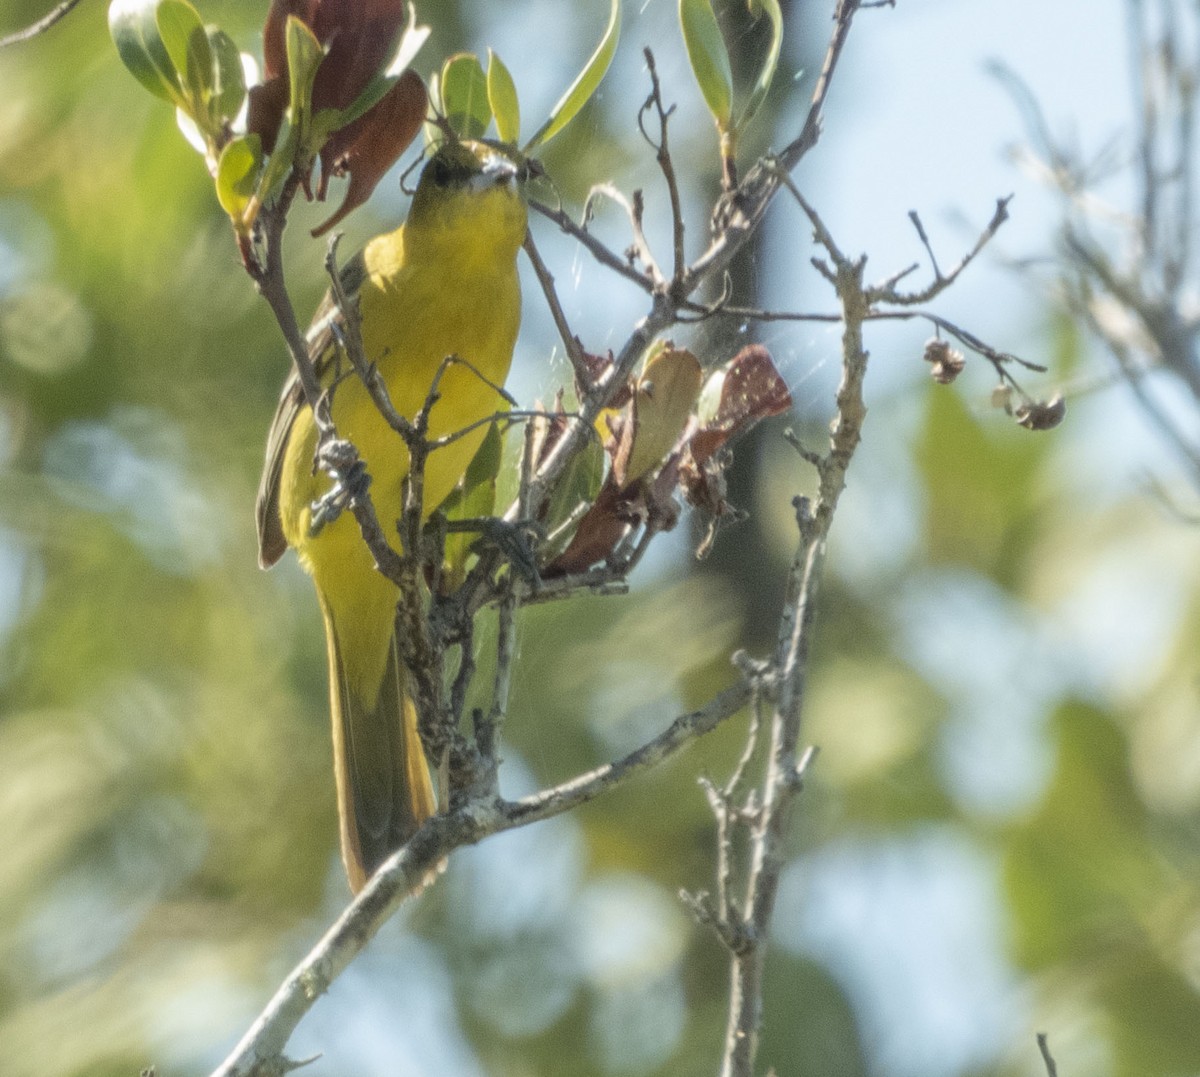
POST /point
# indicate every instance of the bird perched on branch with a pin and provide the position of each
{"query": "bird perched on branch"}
(444, 284)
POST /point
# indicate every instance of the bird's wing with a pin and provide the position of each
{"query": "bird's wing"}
(322, 349)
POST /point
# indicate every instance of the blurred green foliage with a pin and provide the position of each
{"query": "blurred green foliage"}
(165, 790)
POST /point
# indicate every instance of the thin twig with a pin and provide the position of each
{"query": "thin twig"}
(634, 209)
(942, 281)
(574, 348)
(1043, 1042)
(736, 220)
(41, 26)
(662, 154)
(269, 279)
(923, 236)
(597, 248)
(347, 331)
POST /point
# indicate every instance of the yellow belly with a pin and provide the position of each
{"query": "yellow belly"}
(410, 326)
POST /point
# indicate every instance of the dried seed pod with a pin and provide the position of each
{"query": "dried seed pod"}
(947, 362)
(1041, 414)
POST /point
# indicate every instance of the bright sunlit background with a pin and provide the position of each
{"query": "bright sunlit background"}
(1000, 834)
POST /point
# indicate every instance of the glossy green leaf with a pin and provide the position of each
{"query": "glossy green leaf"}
(502, 96)
(237, 174)
(279, 163)
(193, 135)
(410, 43)
(767, 73)
(708, 56)
(304, 55)
(465, 95)
(183, 37)
(585, 84)
(140, 46)
(228, 79)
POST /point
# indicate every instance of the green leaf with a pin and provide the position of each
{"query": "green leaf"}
(304, 54)
(765, 76)
(666, 394)
(179, 26)
(201, 72)
(228, 77)
(465, 95)
(140, 46)
(709, 57)
(502, 96)
(474, 497)
(585, 83)
(237, 175)
(580, 484)
(279, 163)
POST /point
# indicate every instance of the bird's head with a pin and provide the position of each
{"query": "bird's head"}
(469, 194)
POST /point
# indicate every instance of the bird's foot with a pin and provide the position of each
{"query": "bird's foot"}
(341, 461)
(517, 542)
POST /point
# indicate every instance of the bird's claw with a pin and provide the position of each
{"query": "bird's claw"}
(341, 461)
(515, 541)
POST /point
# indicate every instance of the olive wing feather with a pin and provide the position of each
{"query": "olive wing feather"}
(323, 351)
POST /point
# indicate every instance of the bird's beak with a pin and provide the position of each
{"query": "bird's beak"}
(497, 172)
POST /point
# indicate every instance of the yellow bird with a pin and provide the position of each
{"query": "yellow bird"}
(443, 284)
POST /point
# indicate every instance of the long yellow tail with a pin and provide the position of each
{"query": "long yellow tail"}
(384, 790)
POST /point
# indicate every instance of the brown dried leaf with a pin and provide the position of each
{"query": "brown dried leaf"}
(601, 528)
(750, 389)
(264, 113)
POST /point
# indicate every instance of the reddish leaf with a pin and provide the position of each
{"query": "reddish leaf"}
(601, 528)
(264, 114)
(359, 35)
(368, 147)
(752, 390)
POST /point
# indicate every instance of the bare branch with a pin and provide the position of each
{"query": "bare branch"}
(260, 1052)
(41, 26)
(634, 209)
(786, 764)
(570, 341)
(597, 248)
(666, 165)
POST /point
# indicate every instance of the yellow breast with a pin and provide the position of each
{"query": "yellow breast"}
(425, 298)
